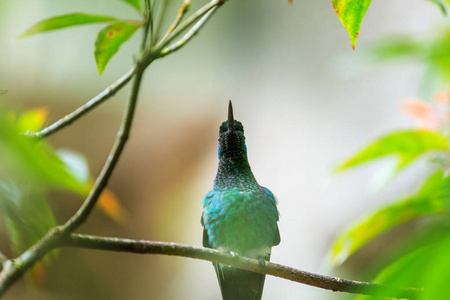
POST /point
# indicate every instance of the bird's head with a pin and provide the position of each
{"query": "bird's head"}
(231, 137)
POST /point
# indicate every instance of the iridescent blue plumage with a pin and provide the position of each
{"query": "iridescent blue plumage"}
(239, 215)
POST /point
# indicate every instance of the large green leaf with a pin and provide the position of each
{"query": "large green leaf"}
(427, 267)
(351, 14)
(64, 21)
(432, 198)
(135, 3)
(406, 145)
(109, 40)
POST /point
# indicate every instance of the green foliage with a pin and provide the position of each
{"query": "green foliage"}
(430, 199)
(351, 14)
(23, 159)
(32, 120)
(427, 267)
(432, 50)
(27, 170)
(441, 5)
(406, 145)
(64, 21)
(135, 3)
(3, 91)
(27, 215)
(109, 40)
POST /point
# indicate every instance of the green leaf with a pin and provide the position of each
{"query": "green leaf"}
(109, 40)
(3, 91)
(26, 161)
(351, 14)
(432, 198)
(77, 165)
(427, 267)
(406, 145)
(441, 5)
(28, 217)
(135, 3)
(32, 120)
(64, 21)
(432, 49)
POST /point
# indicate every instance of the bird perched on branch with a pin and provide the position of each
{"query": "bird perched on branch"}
(239, 216)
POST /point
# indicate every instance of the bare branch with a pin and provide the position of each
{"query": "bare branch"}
(326, 282)
(182, 10)
(14, 269)
(193, 19)
(88, 106)
(188, 36)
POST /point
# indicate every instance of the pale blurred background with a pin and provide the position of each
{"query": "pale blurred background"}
(290, 72)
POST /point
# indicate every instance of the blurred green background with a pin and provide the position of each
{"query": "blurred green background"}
(306, 100)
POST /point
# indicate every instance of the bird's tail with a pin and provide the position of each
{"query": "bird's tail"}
(237, 284)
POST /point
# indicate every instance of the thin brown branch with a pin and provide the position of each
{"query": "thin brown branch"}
(326, 282)
(88, 106)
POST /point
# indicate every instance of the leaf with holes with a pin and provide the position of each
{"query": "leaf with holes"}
(351, 14)
(63, 21)
(109, 40)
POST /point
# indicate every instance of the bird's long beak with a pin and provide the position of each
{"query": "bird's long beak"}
(230, 117)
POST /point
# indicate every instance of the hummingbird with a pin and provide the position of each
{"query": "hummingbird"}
(239, 216)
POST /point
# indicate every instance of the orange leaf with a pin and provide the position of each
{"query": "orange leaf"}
(423, 112)
(111, 206)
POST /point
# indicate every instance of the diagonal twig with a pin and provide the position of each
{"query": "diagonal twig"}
(88, 106)
(190, 34)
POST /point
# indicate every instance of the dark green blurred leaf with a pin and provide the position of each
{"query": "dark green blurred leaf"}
(3, 91)
(351, 14)
(28, 217)
(64, 21)
(32, 120)
(406, 145)
(109, 40)
(135, 3)
(433, 198)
